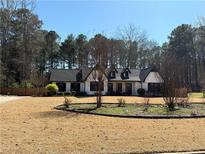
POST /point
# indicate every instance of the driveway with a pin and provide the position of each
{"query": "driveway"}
(4, 99)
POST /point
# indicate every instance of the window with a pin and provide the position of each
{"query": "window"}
(110, 87)
(128, 88)
(155, 89)
(94, 86)
(126, 74)
(112, 74)
(75, 87)
(119, 87)
(61, 87)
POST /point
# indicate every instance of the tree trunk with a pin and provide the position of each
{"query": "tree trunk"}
(99, 98)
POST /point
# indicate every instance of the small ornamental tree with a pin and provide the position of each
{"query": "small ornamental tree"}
(174, 91)
(52, 88)
(170, 73)
(99, 78)
(141, 92)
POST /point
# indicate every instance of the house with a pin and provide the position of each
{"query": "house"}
(115, 81)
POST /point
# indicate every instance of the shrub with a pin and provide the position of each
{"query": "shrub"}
(146, 103)
(15, 85)
(26, 84)
(171, 106)
(121, 102)
(52, 88)
(67, 93)
(73, 93)
(67, 102)
(81, 94)
(60, 93)
(141, 92)
(23, 84)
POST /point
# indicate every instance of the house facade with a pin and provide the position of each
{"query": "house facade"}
(115, 81)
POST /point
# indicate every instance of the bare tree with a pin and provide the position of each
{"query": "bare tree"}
(98, 47)
(38, 79)
(170, 81)
(174, 92)
(98, 75)
(136, 44)
(15, 4)
(201, 21)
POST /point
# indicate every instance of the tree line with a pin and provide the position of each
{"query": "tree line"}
(28, 52)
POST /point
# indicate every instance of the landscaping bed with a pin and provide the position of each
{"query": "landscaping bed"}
(137, 110)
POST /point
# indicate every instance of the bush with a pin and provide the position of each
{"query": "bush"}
(60, 94)
(26, 84)
(23, 84)
(141, 92)
(81, 94)
(121, 102)
(52, 88)
(67, 102)
(73, 93)
(67, 93)
(171, 106)
(15, 85)
(146, 103)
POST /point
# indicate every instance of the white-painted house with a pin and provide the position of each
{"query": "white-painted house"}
(116, 81)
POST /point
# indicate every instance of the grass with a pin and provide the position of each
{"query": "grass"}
(31, 125)
(138, 109)
(196, 95)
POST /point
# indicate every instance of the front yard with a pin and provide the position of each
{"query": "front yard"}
(135, 110)
(129, 99)
(31, 125)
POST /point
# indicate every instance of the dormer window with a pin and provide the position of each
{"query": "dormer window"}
(112, 74)
(126, 74)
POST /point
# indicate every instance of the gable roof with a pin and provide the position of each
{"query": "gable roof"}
(133, 75)
(145, 72)
(62, 75)
(78, 75)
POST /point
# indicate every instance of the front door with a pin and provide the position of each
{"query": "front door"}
(61, 87)
(119, 88)
(128, 88)
(155, 89)
(110, 87)
(75, 87)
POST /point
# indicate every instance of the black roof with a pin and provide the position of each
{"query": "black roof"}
(73, 75)
(145, 72)
(133, 74)
(62, 75)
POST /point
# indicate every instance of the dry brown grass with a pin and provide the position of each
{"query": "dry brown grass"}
(32, 125)
(129, 99)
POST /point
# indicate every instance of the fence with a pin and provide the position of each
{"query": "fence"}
(24, 91)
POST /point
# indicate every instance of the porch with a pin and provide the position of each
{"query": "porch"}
(123, 88)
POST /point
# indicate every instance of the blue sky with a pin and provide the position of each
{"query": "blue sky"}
(157, 18)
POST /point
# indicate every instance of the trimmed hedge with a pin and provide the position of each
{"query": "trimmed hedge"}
(141, 92)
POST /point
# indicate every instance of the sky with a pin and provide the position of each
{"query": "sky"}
(157, 18)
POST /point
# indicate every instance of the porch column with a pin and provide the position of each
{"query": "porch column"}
(123, 87)
(114, 86)
(67, 86)
(82, 87)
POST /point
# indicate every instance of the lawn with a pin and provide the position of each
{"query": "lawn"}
(129, 99)
(133, 109)
(32, 125)
(196, 95)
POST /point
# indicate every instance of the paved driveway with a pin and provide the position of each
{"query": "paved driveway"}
(4, 99)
